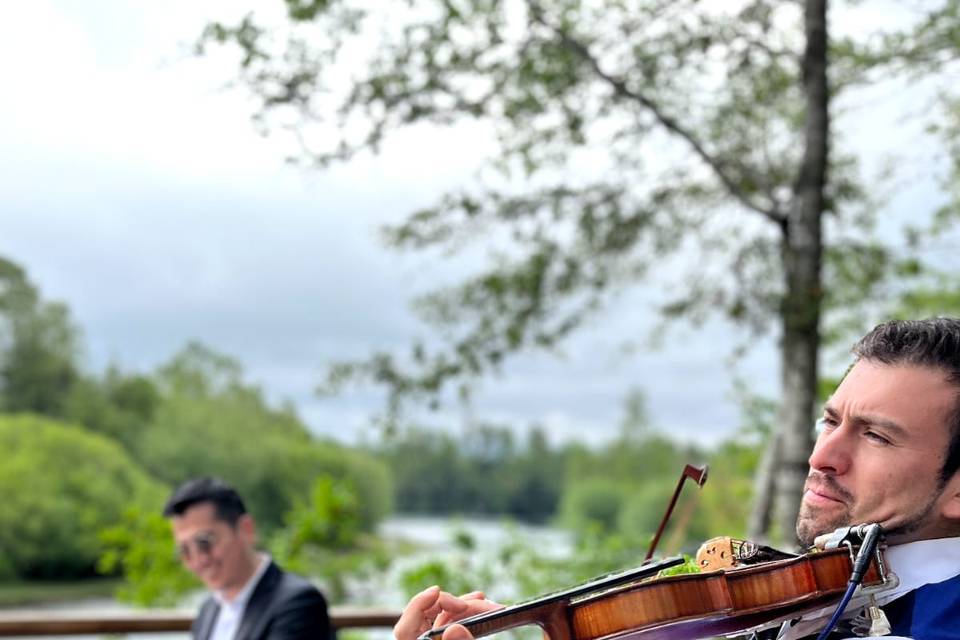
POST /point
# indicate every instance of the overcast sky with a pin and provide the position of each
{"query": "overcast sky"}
(134, 189)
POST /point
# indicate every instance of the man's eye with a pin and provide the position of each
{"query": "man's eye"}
(876, 437)
(825, 424)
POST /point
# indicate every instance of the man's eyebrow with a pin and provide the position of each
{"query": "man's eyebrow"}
(894, 428)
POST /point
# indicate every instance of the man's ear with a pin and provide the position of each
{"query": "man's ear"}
(247, 528)
(950, 499)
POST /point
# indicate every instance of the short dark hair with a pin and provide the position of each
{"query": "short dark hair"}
(933, 343)
(227, 503)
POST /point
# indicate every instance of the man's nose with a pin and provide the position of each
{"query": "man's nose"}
(833, 451)
(197, 561)
(194, 557)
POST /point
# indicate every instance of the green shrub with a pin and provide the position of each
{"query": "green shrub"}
(322, 537)
(141, 547)
(368, 478)
(61, 485)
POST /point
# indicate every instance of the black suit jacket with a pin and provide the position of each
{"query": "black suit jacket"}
(283, 606)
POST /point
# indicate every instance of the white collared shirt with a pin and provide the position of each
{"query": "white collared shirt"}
(231, 611)
(913, 564)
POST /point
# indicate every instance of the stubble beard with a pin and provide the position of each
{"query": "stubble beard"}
(922, 519)
(813, 521)
(809, 526)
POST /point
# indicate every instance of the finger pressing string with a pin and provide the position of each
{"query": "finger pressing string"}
(412, 621)
(450, 603)
(457, 632)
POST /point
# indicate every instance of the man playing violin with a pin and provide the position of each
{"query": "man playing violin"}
(887, 452)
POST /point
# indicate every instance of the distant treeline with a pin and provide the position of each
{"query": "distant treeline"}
(622, 487)
(483, 472)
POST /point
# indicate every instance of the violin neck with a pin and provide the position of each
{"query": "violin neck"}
(550, 616)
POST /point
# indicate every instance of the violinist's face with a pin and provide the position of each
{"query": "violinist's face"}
(879, 454)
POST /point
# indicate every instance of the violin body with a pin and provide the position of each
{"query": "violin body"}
(688, 606)
(727, 601)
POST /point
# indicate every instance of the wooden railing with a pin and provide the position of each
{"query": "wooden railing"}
(66, 623)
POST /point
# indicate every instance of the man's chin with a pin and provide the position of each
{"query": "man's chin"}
(213, 583)
(808, 528)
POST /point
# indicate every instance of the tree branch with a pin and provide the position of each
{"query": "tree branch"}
(621, 90)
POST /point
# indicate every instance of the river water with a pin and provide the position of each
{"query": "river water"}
(435, 539)
(435, 533)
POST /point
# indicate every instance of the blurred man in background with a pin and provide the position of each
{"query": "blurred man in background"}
(252, 598)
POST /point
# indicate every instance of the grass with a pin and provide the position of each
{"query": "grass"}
(17, 594)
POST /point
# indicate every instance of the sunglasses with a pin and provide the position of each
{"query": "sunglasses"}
(202, 544)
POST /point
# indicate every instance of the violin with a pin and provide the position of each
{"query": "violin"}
(729, 596)
(741, 587)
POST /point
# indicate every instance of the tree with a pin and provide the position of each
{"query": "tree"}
(61, 485)
(38, 347)
(117, 405)
(209, 421)
(631, 134)
(926, 53)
